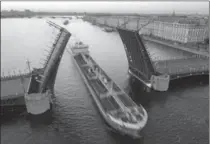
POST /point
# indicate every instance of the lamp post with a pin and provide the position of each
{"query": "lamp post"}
(28, 63)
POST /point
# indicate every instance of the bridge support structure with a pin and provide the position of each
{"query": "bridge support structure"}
(160, 83)
(38, 97)
(156, 82)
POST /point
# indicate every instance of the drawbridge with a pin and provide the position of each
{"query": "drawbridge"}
(39, 94)
(35, 88)
(157, 74)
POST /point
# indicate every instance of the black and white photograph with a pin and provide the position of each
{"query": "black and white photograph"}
(104, 72)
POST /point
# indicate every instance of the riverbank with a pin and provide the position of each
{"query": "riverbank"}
(177, 46)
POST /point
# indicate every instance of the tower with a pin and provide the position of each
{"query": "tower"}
(173, 13)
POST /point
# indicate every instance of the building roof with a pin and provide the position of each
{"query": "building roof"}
(170, 19)
(183, 20)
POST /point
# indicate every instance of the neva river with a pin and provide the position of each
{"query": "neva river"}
(178, 116)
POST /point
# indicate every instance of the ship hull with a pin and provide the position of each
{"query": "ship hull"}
(124, 131)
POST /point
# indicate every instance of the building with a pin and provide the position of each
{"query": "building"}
(183, 31)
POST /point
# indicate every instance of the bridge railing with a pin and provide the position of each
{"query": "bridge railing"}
(10, 77)
(51, 50)
(167, 61)
(50, 70)
(185, 70)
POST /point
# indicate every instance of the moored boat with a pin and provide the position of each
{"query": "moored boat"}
(108, 29)
(116, 107)
(66, 22)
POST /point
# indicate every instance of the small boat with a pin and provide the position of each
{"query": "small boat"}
(116, 107)
(66, 22)
(108, 29)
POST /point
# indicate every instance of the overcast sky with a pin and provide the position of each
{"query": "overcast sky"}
(121, 7)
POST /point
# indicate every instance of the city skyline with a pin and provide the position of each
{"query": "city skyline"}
(111, 7)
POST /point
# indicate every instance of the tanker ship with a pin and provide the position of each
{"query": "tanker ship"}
(118, 110)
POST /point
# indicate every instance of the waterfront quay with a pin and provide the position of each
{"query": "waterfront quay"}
(173, 44)
(13, 89)
(180, 29)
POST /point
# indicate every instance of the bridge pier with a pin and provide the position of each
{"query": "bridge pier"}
(157, 83)
(160, 83)
(38, 103)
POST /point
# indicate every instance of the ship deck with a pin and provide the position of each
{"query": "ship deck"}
(114, 101)
(108, 102)
(125, 100)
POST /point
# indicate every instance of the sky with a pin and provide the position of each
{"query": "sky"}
(108, 6)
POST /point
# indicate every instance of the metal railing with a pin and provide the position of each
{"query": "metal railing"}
(9, 77)
(51, 50)
(184, 70)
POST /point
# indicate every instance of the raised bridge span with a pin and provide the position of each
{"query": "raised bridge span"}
(30, 88)
(154, 73)
(157, 73)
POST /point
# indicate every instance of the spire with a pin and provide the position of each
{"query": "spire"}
(173, 13)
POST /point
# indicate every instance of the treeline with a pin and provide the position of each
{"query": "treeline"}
(16, 13)
(28, 13)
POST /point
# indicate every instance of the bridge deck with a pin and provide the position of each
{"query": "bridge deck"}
(182, 66)
(13, 88)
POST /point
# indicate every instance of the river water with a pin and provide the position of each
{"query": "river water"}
(179, 115)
